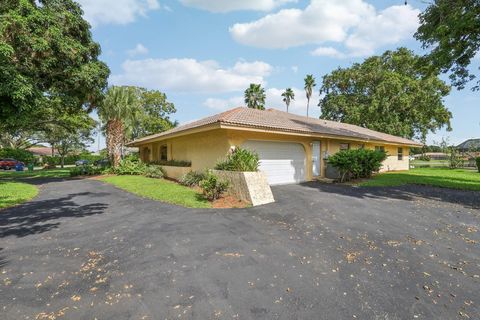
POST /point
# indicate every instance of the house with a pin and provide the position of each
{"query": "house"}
(292, 148)
(470, 145)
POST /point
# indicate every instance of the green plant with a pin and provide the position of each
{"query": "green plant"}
(239, 160)
(154, 171)
(192, 178)
(357, 163)
(173, 163)
(17, 154)
(424, 157)
(129, 166)
(213, 187)
(85, 171)
(477, 162)
(455, 161)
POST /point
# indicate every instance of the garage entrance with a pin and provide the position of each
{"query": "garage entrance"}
(282, 162)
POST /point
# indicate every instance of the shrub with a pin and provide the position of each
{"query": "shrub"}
(17, 154)
(358, 163)
(213, 186)
(477, 162)
(173, 163)
(239, 160)
(130, 166)
(424, 157)
(154, 171)
(455, 161)
(85, 171)
(192, 178)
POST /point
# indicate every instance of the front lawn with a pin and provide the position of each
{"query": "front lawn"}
(439, 177)
(39, 173)
(159, 189)
(12, 193)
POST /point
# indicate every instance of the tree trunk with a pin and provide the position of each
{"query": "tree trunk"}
(62, 161)
(115, 140)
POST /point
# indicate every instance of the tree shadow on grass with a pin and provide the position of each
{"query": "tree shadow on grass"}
(469, 199)
(43, 215)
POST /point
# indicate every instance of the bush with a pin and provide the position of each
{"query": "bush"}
(455, 161)
(173, 163)
(154, 171)
(358, 163)
(192, 178)
(17, 154)
(477, 162)
(424, 157)
(129, 166)
(213, 186)
(239, 160)
(85, 171)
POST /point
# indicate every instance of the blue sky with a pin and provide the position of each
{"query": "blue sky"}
(204, 53)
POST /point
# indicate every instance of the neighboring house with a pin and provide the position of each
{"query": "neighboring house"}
(433, 155)
(292, 148)
(469, 145)
(42, 151)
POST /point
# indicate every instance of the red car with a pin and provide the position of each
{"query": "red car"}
(7, 164)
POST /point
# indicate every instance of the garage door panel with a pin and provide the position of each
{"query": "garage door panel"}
(282, 162)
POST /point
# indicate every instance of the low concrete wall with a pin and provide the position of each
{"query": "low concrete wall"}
(176, 172)
(248, 186)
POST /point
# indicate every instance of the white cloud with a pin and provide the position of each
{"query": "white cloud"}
(327, 52)
(99, 12)
(139, 49)
(190, 75)
(273, 99)
(354, 23)
(224, 104)
(235, 5)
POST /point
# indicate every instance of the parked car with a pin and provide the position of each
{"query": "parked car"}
(101, 163)
(79, 163)
(9, 163)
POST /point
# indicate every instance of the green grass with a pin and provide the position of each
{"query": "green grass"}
(39, 173)
(12, 193)
(439, 177)
(159, 189)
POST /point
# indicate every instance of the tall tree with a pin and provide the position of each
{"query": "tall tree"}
(309, 85)
(153, 115)
(451, 29)
(48, 63)
(288, 95)
(393, 93)
(119, 108)
(255, 96)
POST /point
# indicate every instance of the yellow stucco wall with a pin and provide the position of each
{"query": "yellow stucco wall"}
(204, 149)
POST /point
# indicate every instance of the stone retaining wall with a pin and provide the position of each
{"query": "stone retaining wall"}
(248, 186)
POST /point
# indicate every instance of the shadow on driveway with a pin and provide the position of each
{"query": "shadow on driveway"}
(41, 215)
(468, 199)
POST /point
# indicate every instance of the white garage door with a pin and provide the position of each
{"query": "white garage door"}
(283, 162)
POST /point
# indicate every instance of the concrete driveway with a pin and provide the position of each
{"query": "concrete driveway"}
(86, 250)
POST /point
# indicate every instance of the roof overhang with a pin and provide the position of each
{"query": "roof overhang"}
(231, 126)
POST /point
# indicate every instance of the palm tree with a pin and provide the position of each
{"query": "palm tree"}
(255, 96)
(117, 111)
(309, 85)
(288, 96)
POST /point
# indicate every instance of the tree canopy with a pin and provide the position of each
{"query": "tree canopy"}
(392, 93)
(451, 29)
(255, 96)
(48, 63)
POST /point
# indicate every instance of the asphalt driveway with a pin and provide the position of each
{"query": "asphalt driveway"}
(86, 250)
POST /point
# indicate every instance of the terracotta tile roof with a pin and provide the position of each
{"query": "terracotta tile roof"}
(41, 151)
(276, 120)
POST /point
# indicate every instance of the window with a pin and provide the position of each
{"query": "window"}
(400, 153)
(163, 152)
(380, 148)
(344, 146)
(361, 146)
